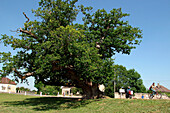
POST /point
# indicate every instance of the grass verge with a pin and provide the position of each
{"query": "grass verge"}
(12, 103)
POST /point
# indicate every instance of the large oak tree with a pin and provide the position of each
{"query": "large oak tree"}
(58, 51)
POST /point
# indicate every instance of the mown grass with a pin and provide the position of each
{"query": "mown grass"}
(11, 103)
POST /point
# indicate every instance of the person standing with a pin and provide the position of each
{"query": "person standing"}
(128, 92)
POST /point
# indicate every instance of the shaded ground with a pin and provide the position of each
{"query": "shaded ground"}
(48, 103)
(12, 103)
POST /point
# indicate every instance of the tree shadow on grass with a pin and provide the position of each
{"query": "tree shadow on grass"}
(49, 103)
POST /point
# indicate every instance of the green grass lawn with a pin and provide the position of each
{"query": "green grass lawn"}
(11, 103)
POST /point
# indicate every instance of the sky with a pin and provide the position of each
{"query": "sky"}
(151, 59)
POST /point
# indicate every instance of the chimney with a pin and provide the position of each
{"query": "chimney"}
(158, 85)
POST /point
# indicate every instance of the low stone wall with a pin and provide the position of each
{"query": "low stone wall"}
(138, 96)
(118, 95)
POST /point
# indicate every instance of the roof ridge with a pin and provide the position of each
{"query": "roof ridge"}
(5, 80)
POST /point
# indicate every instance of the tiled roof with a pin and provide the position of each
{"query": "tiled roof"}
(5, 80)
(162, 88)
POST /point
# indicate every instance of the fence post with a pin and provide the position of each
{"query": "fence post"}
(40, 93)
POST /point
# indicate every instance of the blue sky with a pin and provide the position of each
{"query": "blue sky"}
(151, 59)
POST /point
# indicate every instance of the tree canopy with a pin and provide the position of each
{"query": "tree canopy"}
(58, 51)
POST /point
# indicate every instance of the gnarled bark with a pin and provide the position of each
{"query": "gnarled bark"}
(92, 92)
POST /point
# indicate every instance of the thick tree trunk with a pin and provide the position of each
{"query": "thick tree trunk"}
(92, 91)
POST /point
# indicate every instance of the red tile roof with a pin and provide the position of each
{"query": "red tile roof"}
(162, 88)
(5, 80)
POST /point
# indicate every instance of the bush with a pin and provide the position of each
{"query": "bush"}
(168, 94)
(74, 90)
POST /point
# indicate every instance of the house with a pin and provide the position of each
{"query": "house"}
(162, 88)
(7, 85)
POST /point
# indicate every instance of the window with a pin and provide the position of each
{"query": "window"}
(9, 87)
(3, 88)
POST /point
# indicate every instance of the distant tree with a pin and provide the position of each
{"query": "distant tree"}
(135, 81)
(34, 91)
(22, 89)
(51, 90)
(47, 89)
(17, 89)
(109, 88)
(124, 78)
(40, 86)
(58, 51)
(74, 90)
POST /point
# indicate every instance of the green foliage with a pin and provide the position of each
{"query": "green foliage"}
(40, 86)
(168, 94)
(22, 89)
(109, 90)
(47, 89)
(124, 78)
(110, 31)
(74, 90)
(57, 50)
(51, 90)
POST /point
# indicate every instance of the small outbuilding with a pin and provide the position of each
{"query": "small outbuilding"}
(66, 90)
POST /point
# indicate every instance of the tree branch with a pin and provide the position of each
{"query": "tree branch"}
(15, 30)
(26, 31)
(26, 17)
(29, 33)
(21, 76)
(70, 74)
(57, 83)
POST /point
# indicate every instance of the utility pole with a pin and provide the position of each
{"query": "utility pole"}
(114, 82)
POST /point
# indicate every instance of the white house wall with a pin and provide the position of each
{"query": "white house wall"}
(65, 90)
(8, 88)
